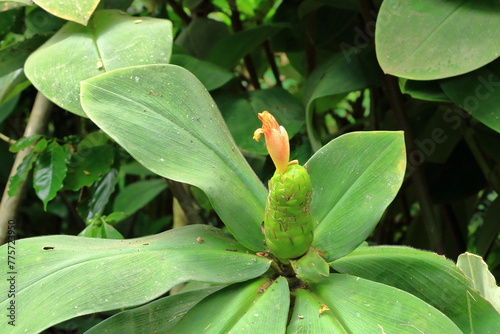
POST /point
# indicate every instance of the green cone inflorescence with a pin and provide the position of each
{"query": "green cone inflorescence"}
(288, 225)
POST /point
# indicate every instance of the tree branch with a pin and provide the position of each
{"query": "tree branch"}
(36, 125)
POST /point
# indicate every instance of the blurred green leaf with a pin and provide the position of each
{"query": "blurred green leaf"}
(172, 114)
(138, 194)
(102, 191)
(112, 40)
(87, 166)
(13, 56)
(240, 113)
(100, 229)
(155, 317)
(354, 178)
(12, 84)
(423, 90)
(50, 171)
(23, 142)
(229, 50)
(427, 276)
(22, 172)
(425, 40)
(339, 75)
(68, 10)
(474, 267)
(201, 35)
(210, 75)
(477, 93)
(256, 307)
(87, 271)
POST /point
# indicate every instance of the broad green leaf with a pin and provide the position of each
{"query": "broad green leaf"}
(50, 171)
(102, 191)
(8, 5)
(354, 178)
(306, 316)
(240, 113)
(22, 172)
(164, 117)
(423, 90)
(155, 317)
(257, 307)
(426, 40)
(112, 40)
(14, 55)
(211, 75)
(23, 142)
(86, 166)
(339, 75)
(96, 275)
(474, 267)
(311, 267)
(76, 10)
(477, 93)
(427, 276)
(363, 306)
(138, 194)
(229, 50)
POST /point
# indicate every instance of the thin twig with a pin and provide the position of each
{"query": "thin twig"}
(7, 139)
(272, 62)
(36, 125)
(177, 8)
(238, 26)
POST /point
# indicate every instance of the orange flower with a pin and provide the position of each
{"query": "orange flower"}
(276, 140)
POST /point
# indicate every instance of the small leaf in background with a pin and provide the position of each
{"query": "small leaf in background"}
(102, 191)
(79, 11)
(210, 75)
(115, 217)
(240, 114)
(98, 228)
(338, 76)
(14, 55)
(23, 142)
(229, 50)
(39, 21)
(426, 40)
(21, 173)
(12, 84)
(87, 166)
(474, 267)
(477, 93)
(423, 90)
(138, 194)
(50, 171)
(112, 40)
(40, 145)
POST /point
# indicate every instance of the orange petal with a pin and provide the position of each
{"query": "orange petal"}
(276, 140)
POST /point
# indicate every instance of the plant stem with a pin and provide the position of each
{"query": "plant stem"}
(238, 26)
(7, 139)
(186, 202)
(272, 63)
(177, 8)
(36, 125)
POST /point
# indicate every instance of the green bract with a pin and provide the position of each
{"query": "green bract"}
(288, 224)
